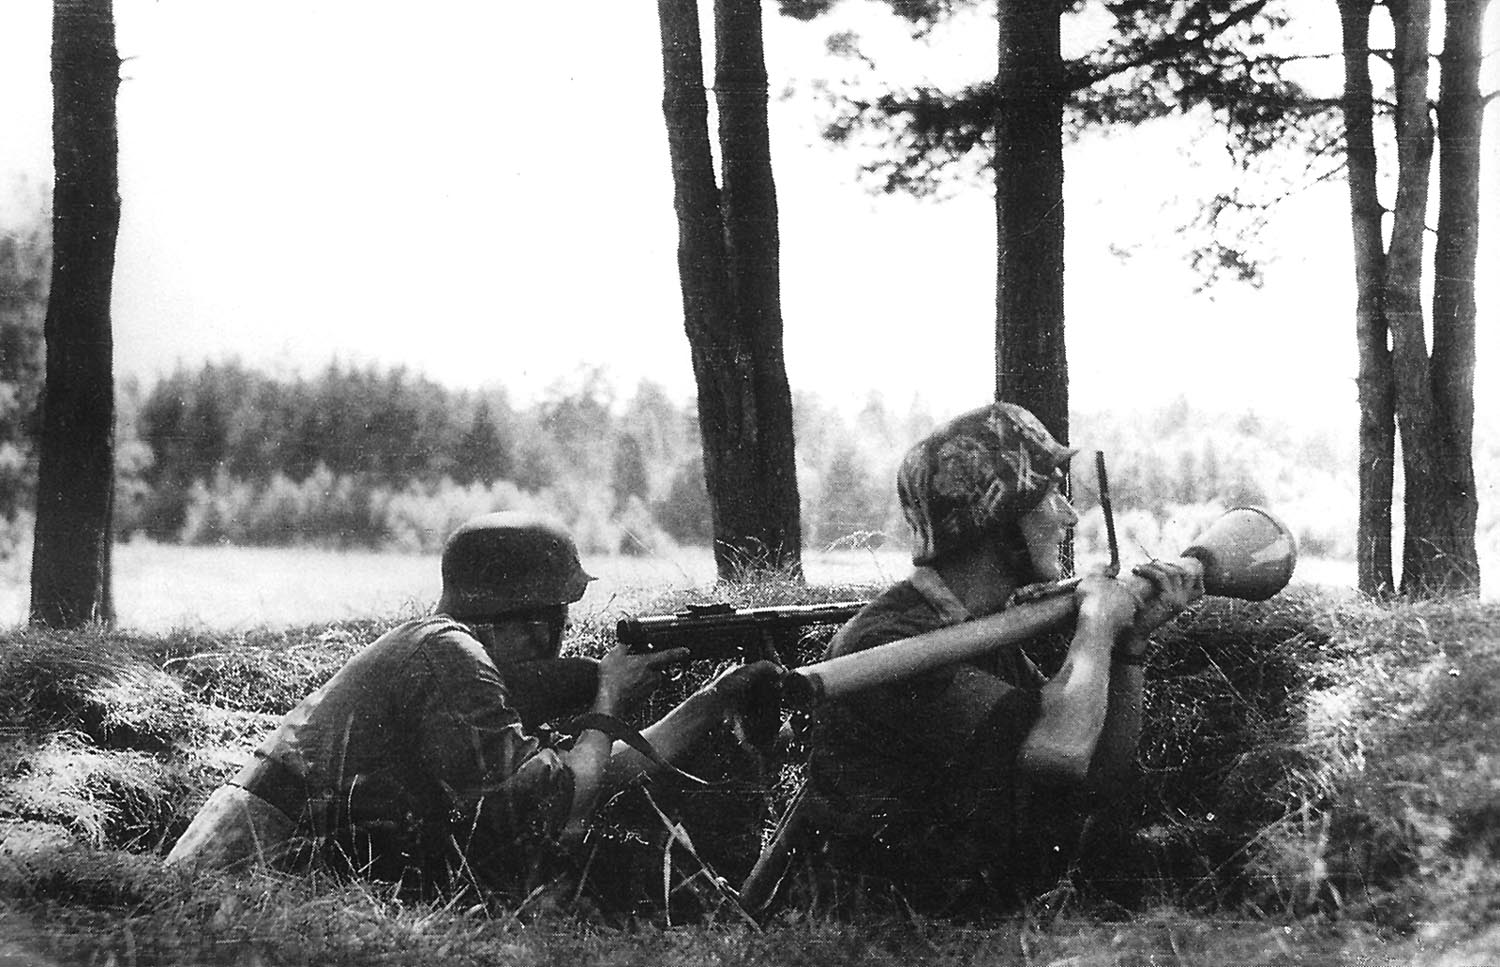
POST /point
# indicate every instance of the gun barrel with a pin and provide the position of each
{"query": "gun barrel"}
(668, 630)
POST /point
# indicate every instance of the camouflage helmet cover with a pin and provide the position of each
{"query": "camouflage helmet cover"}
(973, 474)
(510, 561)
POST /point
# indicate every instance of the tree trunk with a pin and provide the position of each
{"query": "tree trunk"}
(728, 257)
(1031, 360)
(70, 571)
(1456, 253)
(1402, 286)
(1377, 402)
(1433, 559)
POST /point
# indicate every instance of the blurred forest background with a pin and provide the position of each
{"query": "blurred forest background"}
(387, 459)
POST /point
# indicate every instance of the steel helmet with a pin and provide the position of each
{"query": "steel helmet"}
(974, 474)
(510, 561)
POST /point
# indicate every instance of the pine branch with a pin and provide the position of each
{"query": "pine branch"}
(1169, 45)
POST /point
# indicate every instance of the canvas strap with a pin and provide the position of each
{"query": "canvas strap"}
(622, 731)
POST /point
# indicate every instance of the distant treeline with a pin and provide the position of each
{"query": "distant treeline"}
(386, 458)
(358, 456)
(368, 457)
(361, 456)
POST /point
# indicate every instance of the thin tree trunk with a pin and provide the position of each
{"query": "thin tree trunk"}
(1460, 123)
(702, 263)
(1455, 257)
(1402, 286)
(1031, 361)
(70, 573)
(1432, 559)
(1377, 402)
(728, 260)
(761, 431)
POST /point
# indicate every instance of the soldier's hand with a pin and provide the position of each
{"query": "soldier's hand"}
(1173, 588)
(736, 687)
(625, 679)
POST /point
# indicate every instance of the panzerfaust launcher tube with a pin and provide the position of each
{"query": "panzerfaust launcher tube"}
(1246, 554)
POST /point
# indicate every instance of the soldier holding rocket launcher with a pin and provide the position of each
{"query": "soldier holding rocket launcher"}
(935, 782)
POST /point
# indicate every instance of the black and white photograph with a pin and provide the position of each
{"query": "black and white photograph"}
(749, 482)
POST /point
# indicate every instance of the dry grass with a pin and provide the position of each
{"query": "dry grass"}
(1323, 787)
(1397, 810)
(124, 909)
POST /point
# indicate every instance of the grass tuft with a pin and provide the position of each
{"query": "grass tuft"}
(96, 684)
(1321, 776)
(103, 797)
(267, 672)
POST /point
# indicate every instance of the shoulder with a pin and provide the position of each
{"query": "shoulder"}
(441, 631)
(436, 642)
(447, 645)
(398, 652)
(898, 612)
(421, 631)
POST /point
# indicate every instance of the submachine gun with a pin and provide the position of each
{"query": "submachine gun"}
(710, 632)
(721, 632)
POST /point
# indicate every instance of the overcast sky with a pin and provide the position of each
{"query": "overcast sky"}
(481, 190)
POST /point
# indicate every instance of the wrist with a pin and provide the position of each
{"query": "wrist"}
(1105, 623)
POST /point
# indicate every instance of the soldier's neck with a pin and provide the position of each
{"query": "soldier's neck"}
(983, 578)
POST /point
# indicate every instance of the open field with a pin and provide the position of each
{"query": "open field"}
(161, 587)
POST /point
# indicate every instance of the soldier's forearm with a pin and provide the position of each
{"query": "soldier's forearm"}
(589, 760)
(1115, 758)
(671, 736)
(1073, 710)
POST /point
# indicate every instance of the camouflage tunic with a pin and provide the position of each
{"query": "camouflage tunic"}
(408, 762)
(918, 781)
